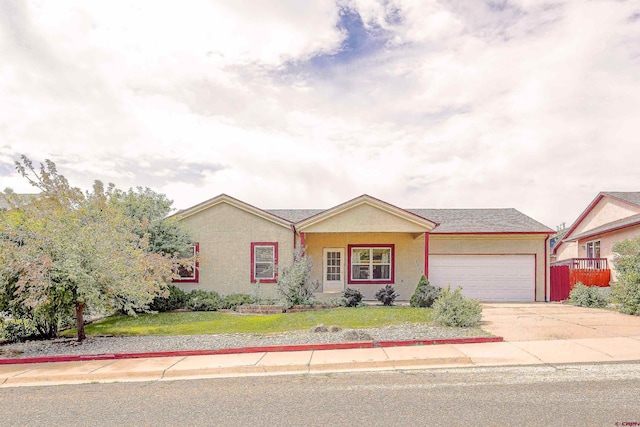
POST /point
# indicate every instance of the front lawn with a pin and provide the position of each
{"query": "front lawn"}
(194, 323)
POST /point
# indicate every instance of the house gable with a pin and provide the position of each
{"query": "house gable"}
(606, 210)
(365, 214)
(223, 199)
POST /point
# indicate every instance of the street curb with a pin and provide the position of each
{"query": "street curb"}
(264, 349)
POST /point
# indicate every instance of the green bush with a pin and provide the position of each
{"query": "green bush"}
(626, 290)
(351, 297)
(425, 294)
(233, 300)
(176, 300)
(17, 331)
(454, 309)
(386, 295)
(200, 300)
(588, 296)
(627, 295)
(295, 286)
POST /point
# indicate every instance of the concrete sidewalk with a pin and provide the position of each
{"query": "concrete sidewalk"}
(582, 350)
(535, 334)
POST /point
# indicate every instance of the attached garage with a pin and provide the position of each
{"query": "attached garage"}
(486, 277)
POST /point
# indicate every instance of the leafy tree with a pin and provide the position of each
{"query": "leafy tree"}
(69, 251)
(626, 289)
(149, 209)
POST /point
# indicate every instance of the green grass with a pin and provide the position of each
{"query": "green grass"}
(192, 323)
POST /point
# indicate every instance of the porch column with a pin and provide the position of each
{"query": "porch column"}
(426, 255)
(302, 240)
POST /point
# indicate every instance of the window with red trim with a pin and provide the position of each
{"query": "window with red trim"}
(264, 262)
(188, 267)
(371, 264)
(593, 249)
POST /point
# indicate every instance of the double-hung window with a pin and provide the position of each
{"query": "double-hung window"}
(593, 249)
(188, 270)
(264, 262)
(371, 264)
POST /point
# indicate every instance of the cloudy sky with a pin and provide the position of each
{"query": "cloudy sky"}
(306, 104)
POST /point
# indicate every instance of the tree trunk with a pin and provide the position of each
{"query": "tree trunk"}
(80, 321)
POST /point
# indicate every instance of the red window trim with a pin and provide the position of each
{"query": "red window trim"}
(275, 262)
(391, 280)
(196, 277)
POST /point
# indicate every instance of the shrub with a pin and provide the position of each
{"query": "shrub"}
(351, 297)
(295, 286)
(177, 299)
(17, 331)
(626, 290)
(588, 296)
(386, 295)
(425, 294)
(233, 300)
(201, 300)
(454, 309)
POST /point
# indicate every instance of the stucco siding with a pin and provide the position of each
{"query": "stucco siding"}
(566, 251)
(225, 233)
(409, 258)
(365, 219)
(605, 211)
(497, 245)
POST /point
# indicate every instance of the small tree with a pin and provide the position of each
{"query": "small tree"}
(425, 294)
(295, 286)
(69, 251)
(626, 289)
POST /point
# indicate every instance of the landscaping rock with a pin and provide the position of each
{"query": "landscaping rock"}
(319, 328)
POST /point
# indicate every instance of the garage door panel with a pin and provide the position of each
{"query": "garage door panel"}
(486, 277)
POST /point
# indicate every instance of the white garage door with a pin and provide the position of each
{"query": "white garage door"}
(486, 277)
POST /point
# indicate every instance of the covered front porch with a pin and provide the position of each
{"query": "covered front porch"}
(367, 261)
(366, 244)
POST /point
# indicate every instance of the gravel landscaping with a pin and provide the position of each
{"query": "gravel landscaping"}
(142, 344)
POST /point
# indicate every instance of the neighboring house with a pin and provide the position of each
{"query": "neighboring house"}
(366, 243)
(609, 218)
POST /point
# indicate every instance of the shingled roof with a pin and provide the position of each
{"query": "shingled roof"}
(452, 220)
(632, 197)
(507, 220)
(610, 226)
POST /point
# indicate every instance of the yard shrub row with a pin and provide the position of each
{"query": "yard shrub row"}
(198, 300)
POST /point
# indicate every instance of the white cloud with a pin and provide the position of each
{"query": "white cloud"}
(478, 104)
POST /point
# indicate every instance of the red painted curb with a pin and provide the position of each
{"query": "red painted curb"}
(264, 349)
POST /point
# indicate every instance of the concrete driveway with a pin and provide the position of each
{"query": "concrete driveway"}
(553, 321)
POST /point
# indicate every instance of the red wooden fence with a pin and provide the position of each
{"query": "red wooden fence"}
(590, 277)
(564, 278)
(560, 287)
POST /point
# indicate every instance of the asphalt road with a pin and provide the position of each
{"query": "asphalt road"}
(592, 395)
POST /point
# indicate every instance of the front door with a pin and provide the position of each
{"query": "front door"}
(333, 274)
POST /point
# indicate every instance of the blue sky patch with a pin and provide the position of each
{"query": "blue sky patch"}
(360, 41)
